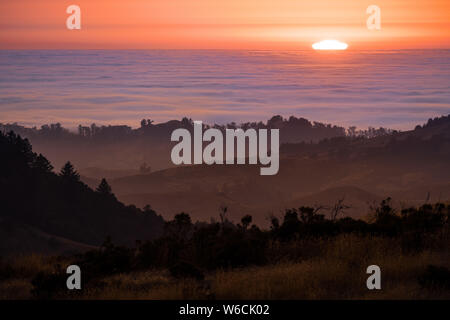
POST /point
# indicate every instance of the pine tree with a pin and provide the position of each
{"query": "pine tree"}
(42, 164)
(104, 187)
(68, 172)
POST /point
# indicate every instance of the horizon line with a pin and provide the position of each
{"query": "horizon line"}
(219, 124)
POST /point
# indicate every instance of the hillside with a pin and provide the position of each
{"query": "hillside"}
(405, 165)
(33, 197)
(110, 151)
(21, 238)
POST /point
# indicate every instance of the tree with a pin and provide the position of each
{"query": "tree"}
(246, 220)
(146, 123)
(274, 222)
(104, 188)
(223, 213)
(310, 215)
(290, 224)
(41, 163)
(338, 207)
(179, 227)
(352, 131)
(68, 172)
(148, 209)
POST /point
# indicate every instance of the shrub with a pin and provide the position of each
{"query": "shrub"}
(435, 278)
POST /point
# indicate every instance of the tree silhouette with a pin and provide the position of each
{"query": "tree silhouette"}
(83, 215)
(338, 207)
(146, 123)
(147, 209)
(69, 173)
(41, 163)
(223, 213)
(104, 188)
(246, 220)
(179, 227)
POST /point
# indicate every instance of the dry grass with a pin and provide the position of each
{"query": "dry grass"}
(338, 273)
(25, 266)
(17, 272)
(15, 289)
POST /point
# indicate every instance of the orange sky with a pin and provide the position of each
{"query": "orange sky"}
(223, 24)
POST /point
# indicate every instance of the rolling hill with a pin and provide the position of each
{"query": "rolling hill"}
(405, 165)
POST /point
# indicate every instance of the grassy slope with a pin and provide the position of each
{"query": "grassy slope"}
(335, 270)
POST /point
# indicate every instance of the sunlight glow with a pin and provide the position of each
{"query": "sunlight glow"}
(330, 45)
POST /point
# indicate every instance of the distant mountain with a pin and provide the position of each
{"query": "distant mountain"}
(118, 149)
(33, 197)
(360, 166)
(362, 170)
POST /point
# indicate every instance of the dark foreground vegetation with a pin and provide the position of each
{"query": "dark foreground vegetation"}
(60, 204)
(304, 255)
(308, 252)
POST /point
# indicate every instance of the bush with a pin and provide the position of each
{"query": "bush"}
(186, 270)
(435, 278)
(48, 285)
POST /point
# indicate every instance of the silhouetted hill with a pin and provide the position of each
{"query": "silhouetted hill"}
(22, 238)
(431, 138)
(360, 169)
(114, 150)
(378, 162)
(61, 205)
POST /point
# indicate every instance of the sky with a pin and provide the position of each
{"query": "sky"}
(223, 24)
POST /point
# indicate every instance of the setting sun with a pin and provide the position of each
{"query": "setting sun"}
(330, 45)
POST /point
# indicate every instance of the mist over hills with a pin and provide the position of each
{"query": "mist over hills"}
(317, 168)
(114, 151)
(411, 167)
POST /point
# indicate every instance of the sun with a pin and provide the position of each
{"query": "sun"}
(330, 45)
